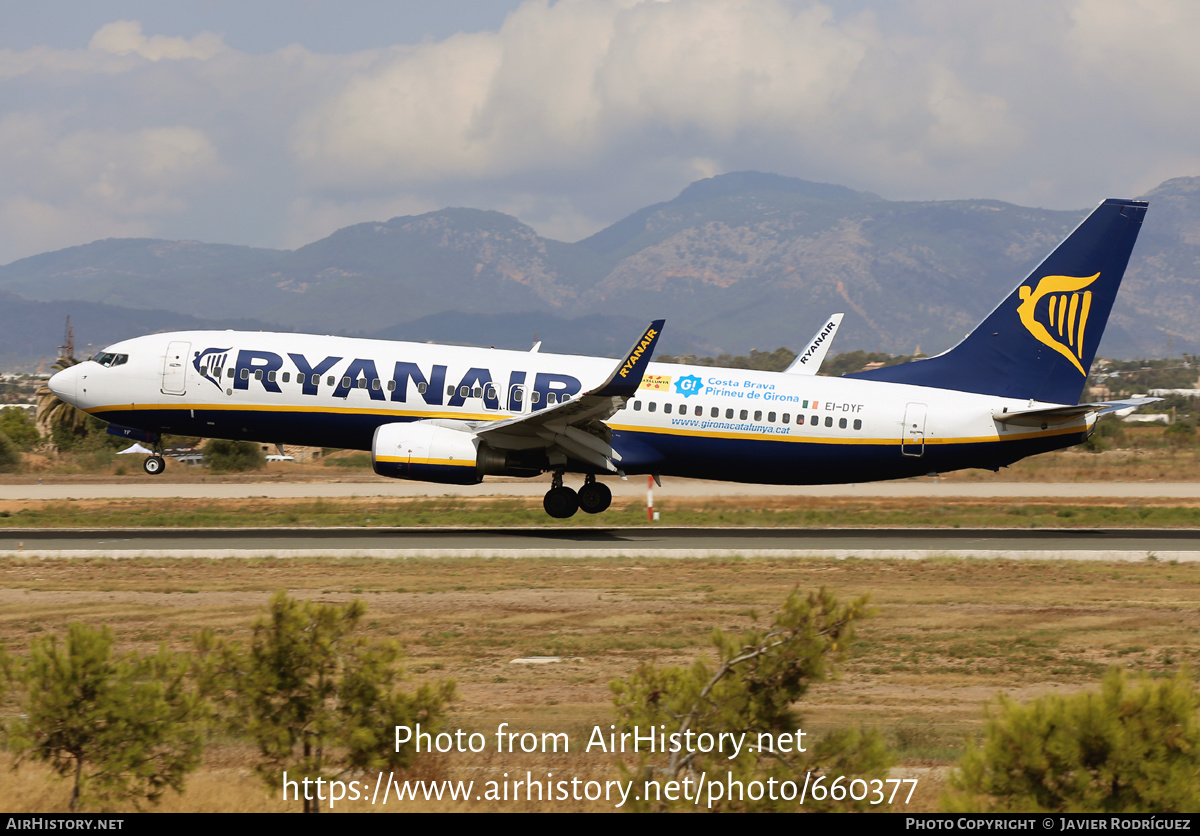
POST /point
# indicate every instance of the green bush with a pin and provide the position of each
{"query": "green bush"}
(223, 456)
(356, 460)
(118, 726)
(10, 456)
(1180, 434)
(319, 699)
(1109, 433)
(1134, 747)
(750, 695)
(18, 425)
(90, 436)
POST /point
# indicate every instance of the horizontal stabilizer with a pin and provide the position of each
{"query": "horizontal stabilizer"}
(1059, 414)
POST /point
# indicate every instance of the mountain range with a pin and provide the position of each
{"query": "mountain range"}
(738, 261)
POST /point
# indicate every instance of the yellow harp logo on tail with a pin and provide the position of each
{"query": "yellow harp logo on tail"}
(1065, 316)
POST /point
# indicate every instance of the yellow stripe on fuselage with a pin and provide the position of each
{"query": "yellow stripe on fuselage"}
(308, 410)
(417, 460)
(812, 439)
(682, 431)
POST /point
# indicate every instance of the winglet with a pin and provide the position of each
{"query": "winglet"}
(810, 359)
(627, 376)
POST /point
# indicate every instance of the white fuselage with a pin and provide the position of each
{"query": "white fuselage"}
(730, 424)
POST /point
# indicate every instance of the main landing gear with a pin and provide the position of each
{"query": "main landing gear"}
(561, 502)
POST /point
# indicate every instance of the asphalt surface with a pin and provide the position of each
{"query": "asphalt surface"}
(634, 487)
(1092, 544)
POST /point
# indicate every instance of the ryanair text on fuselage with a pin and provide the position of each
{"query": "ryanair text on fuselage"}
(335, 377)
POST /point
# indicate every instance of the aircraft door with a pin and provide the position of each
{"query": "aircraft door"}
(912, 440)
(175, 369)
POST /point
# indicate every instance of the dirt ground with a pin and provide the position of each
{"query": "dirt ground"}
(948, 636)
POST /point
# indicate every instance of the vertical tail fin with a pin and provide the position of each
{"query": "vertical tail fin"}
(1039, 343)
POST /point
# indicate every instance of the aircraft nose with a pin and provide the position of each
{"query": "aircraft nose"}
(65, 384)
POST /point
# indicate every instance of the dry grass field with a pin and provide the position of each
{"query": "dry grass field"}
(948, 636)
(808, 512)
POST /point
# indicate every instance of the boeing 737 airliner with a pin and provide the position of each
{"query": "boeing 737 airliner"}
(453, 414)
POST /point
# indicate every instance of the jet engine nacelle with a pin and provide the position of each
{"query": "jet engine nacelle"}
(430, 453)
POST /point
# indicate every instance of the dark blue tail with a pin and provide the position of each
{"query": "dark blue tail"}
(1039, 342)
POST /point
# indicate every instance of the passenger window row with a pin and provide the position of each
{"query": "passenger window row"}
(744, 415)
(493, 393)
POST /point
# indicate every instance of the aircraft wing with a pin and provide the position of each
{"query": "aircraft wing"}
(576, 428)
(1060, 414)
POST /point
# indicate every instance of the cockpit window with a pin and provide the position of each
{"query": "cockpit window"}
(108, 359)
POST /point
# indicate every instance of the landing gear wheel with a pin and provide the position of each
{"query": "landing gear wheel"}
(154, 465)
(594, 497)
(561, 503)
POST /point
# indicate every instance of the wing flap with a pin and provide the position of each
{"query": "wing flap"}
(576, 428)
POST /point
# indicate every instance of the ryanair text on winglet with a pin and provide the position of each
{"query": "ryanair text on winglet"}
(636, 354)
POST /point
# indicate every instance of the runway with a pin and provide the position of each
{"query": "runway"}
(634, 542)
(634, 487)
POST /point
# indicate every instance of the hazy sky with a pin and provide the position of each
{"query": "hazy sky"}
(275, 123)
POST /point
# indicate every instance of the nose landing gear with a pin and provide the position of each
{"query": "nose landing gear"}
(561, 502)
(155, 464)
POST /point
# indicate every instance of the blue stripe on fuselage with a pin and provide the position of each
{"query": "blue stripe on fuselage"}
(792, 462)
(348, 430)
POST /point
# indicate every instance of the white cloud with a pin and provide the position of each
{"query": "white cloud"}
(310, 219)
(559, 82)
(573, 113)
(705, 167)
(125, 37)
(417, 112)
(581, 83)
(1141, 55)
(41, 226)
(967, 124)
(722, 67)
(67, 188)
